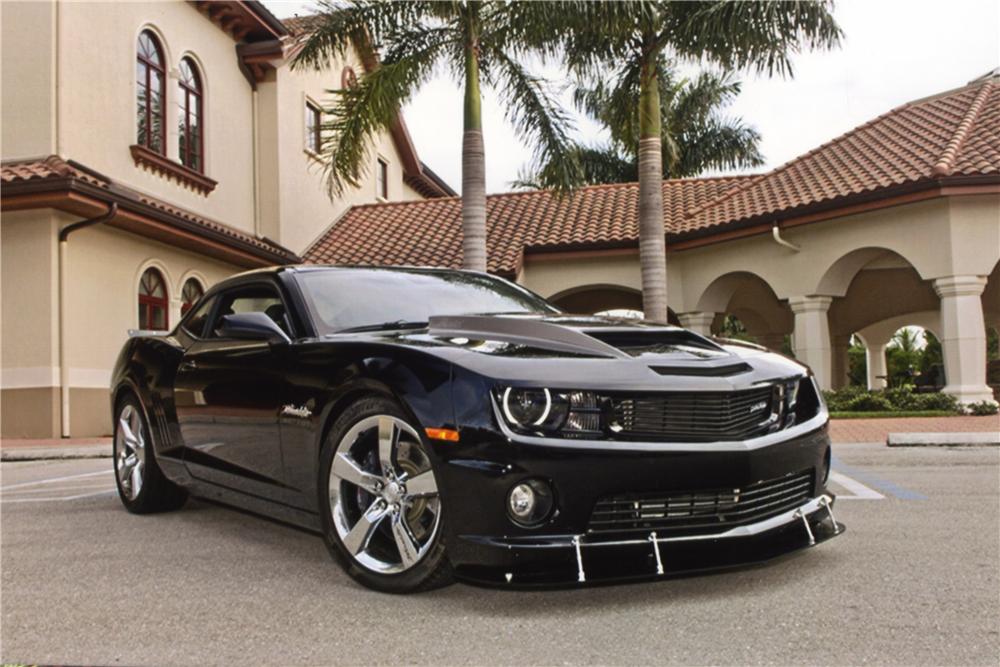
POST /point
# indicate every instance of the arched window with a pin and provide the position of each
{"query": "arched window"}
(190, 293)
(150, 74)
(153, 301)
(190, 116)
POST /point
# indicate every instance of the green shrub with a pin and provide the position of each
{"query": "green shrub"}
(869, 402)
(897, 399)
(982, 408)
(935, 401)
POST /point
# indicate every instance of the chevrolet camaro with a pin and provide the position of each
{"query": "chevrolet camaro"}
(434, 424)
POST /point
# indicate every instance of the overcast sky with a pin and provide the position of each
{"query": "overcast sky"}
(894, 51)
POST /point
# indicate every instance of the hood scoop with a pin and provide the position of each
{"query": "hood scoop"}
(522, 331)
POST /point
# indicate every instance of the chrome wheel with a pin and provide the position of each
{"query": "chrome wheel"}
(383, 495)
(130, 451)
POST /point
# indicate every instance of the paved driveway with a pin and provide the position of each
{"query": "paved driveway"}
(913, 581)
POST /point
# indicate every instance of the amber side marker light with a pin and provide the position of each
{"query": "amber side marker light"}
(446, 434)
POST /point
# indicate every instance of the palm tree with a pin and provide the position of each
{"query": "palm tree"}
(478, 43)
(695, 135)
(631, 39)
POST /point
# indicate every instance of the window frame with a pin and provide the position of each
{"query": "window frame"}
(314, 112)
(208, 333)
(189, 92)
(382, 179)
(187, 305)
(207, 299)
(146, 140)
(151, 301)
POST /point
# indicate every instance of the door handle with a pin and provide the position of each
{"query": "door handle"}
(188, 366)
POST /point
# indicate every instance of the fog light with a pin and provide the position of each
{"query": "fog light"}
(529, 503)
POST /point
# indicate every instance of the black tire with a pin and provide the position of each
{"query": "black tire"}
(433, 570)
(156, 492)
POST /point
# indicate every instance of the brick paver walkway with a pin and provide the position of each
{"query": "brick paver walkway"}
(876, 430)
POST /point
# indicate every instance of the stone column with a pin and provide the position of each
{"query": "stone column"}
(963, 337)
(698, 322)
(811, 339)
(841, 360)
(878, 369)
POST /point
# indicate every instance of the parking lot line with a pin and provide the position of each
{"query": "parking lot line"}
(860, 491)
(54, 479)
(875, 482)
(102, 492)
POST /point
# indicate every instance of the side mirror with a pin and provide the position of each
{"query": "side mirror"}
(252, 326)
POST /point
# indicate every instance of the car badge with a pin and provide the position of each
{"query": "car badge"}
(757, 407)
(291, 411)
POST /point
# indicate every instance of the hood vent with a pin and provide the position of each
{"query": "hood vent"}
(704, 370)
(664, 341)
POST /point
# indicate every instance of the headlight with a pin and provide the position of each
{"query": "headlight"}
(533, 408)
(542, 409)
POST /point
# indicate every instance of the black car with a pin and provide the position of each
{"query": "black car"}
(433, 423)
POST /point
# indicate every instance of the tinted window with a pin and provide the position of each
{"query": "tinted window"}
(253, 299)
(195, 324)
(346, 298)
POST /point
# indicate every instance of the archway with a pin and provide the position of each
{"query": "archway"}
(751, 301)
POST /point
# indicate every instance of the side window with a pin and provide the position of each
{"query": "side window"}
(251, 299)
(195, 324)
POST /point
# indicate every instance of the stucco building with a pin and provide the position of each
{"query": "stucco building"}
(895, 223)
(185, 123)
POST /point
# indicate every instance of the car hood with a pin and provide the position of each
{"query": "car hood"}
(584, 352)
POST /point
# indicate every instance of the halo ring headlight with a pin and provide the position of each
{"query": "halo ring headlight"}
(526, 406)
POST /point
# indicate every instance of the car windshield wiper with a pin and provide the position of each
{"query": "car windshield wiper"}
(384, 326)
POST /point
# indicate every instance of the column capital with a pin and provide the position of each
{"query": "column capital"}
(698, 321)
(969, 285)
(809, 304)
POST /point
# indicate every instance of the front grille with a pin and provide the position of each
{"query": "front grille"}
(713, 510)
(694, 416)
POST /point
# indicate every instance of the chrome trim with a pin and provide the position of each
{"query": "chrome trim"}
(751, 444)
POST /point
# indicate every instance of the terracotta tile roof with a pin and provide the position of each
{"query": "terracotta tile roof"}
(429, 232)
(56, 172)
(951, 135)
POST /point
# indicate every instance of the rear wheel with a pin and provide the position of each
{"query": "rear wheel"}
(142, 486)
(380, 506)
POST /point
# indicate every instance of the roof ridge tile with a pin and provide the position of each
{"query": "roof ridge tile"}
(947, 160)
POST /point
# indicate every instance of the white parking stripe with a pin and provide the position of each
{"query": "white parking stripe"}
(63, 499)
(860, 491)
(56, 479)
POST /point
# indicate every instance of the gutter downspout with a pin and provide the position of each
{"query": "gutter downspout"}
(63, 287)
(776, 234)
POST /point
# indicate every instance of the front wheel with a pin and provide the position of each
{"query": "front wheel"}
(380, 507)
(142, 486)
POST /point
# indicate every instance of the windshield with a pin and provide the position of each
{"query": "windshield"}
(342, 299)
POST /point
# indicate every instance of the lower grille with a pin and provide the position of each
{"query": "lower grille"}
(695, 416)
(701, 510)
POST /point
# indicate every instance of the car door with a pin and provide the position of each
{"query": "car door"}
(228, 395)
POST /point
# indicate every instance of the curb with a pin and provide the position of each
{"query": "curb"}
(943, 439)
(55, 453)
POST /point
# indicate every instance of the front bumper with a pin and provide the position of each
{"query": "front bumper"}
(485, 546)
(566, 559)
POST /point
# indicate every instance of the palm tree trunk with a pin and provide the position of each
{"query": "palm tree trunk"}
(652, 235)
(473, 166)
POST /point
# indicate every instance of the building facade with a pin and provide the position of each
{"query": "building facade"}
(895, 223)
(180, 131)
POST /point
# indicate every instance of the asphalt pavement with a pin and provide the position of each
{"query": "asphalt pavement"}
(914, 581)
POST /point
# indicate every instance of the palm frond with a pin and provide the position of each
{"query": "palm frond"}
(344, 23)
(537, 117)
(757, 35)
(359, 114)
